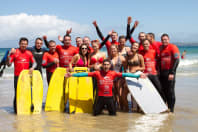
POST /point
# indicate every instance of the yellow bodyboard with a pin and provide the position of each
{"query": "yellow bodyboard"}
(37, 89)
(80, 93)
(56, 98)
(24, 99)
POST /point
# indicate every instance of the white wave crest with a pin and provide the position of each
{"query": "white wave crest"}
(188, 62)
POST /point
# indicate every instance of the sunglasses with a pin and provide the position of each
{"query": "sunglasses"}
(83, 48)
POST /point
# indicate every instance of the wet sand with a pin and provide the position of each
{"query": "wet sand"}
(184, 119)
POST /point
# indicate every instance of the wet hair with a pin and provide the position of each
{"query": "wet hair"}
(38, 39)
(152, 34)
(163, 35)
(122, 37)
(87, 37)
(114, 32)
(66, 36)
(51, 41)
(142, 33)
(107, 60)
(23, 39)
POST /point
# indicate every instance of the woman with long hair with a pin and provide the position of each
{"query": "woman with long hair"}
(80, 59)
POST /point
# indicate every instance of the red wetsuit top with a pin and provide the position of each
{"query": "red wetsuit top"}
(49, 58)
(21, 60)
(94, 60)
(108, 45)
(65, 54)
(167, 56)
(156, 45)
(80, 63)
(105, 81)
(149, 61)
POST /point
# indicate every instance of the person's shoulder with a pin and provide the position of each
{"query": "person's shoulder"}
(28, 53)
(30, 48)
(173, 46)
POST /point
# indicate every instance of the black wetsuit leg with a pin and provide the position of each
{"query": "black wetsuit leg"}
(168, 87)
(49, 75)
(99, 104)
(109, 101)
(15, 93)
(156, 82)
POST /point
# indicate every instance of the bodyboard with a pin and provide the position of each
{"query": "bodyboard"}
(146, 95)
(55, 100)
(80, 93)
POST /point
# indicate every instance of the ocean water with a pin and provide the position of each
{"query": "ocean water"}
(187, 66)
(184, 119)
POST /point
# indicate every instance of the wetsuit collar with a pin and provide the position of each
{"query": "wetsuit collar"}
(37, 50)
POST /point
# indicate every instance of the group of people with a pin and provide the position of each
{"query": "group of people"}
(156, 60)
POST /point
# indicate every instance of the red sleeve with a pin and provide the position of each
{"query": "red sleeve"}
(12, 56)
(116, 74)
(31, 57)
(175, 52)
(92, 74)
(58, 48)
(44, 62)
(132, 40)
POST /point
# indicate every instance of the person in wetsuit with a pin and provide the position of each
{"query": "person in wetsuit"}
(37, 52)
(150, 56)
(50, 60)
(21, 58)
(65, 52)
(169, 60)
(105, 79)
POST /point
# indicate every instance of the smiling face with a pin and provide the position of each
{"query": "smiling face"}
(86, 41)
(95, 46)
(67, 40)
(165, 40)
(106, 66)
(122, 42)
(146, 44)
(114, 50)
(79, 41)
(52, 46)
(84, 49)
(142, 36)
(23, 44)
(38, 43)
(114, 36)
(135, 47)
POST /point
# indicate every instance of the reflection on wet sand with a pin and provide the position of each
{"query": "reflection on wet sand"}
(153, 123)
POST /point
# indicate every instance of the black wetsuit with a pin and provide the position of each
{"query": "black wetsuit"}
(38, 56)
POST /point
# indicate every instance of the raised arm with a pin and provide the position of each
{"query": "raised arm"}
(104, 41)
(98, 30)
(45, 41)
(128, 35)
(60, 38)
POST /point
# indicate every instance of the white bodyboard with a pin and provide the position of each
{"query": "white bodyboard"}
(146, 95)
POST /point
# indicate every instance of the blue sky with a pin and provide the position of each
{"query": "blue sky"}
(177, 18)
